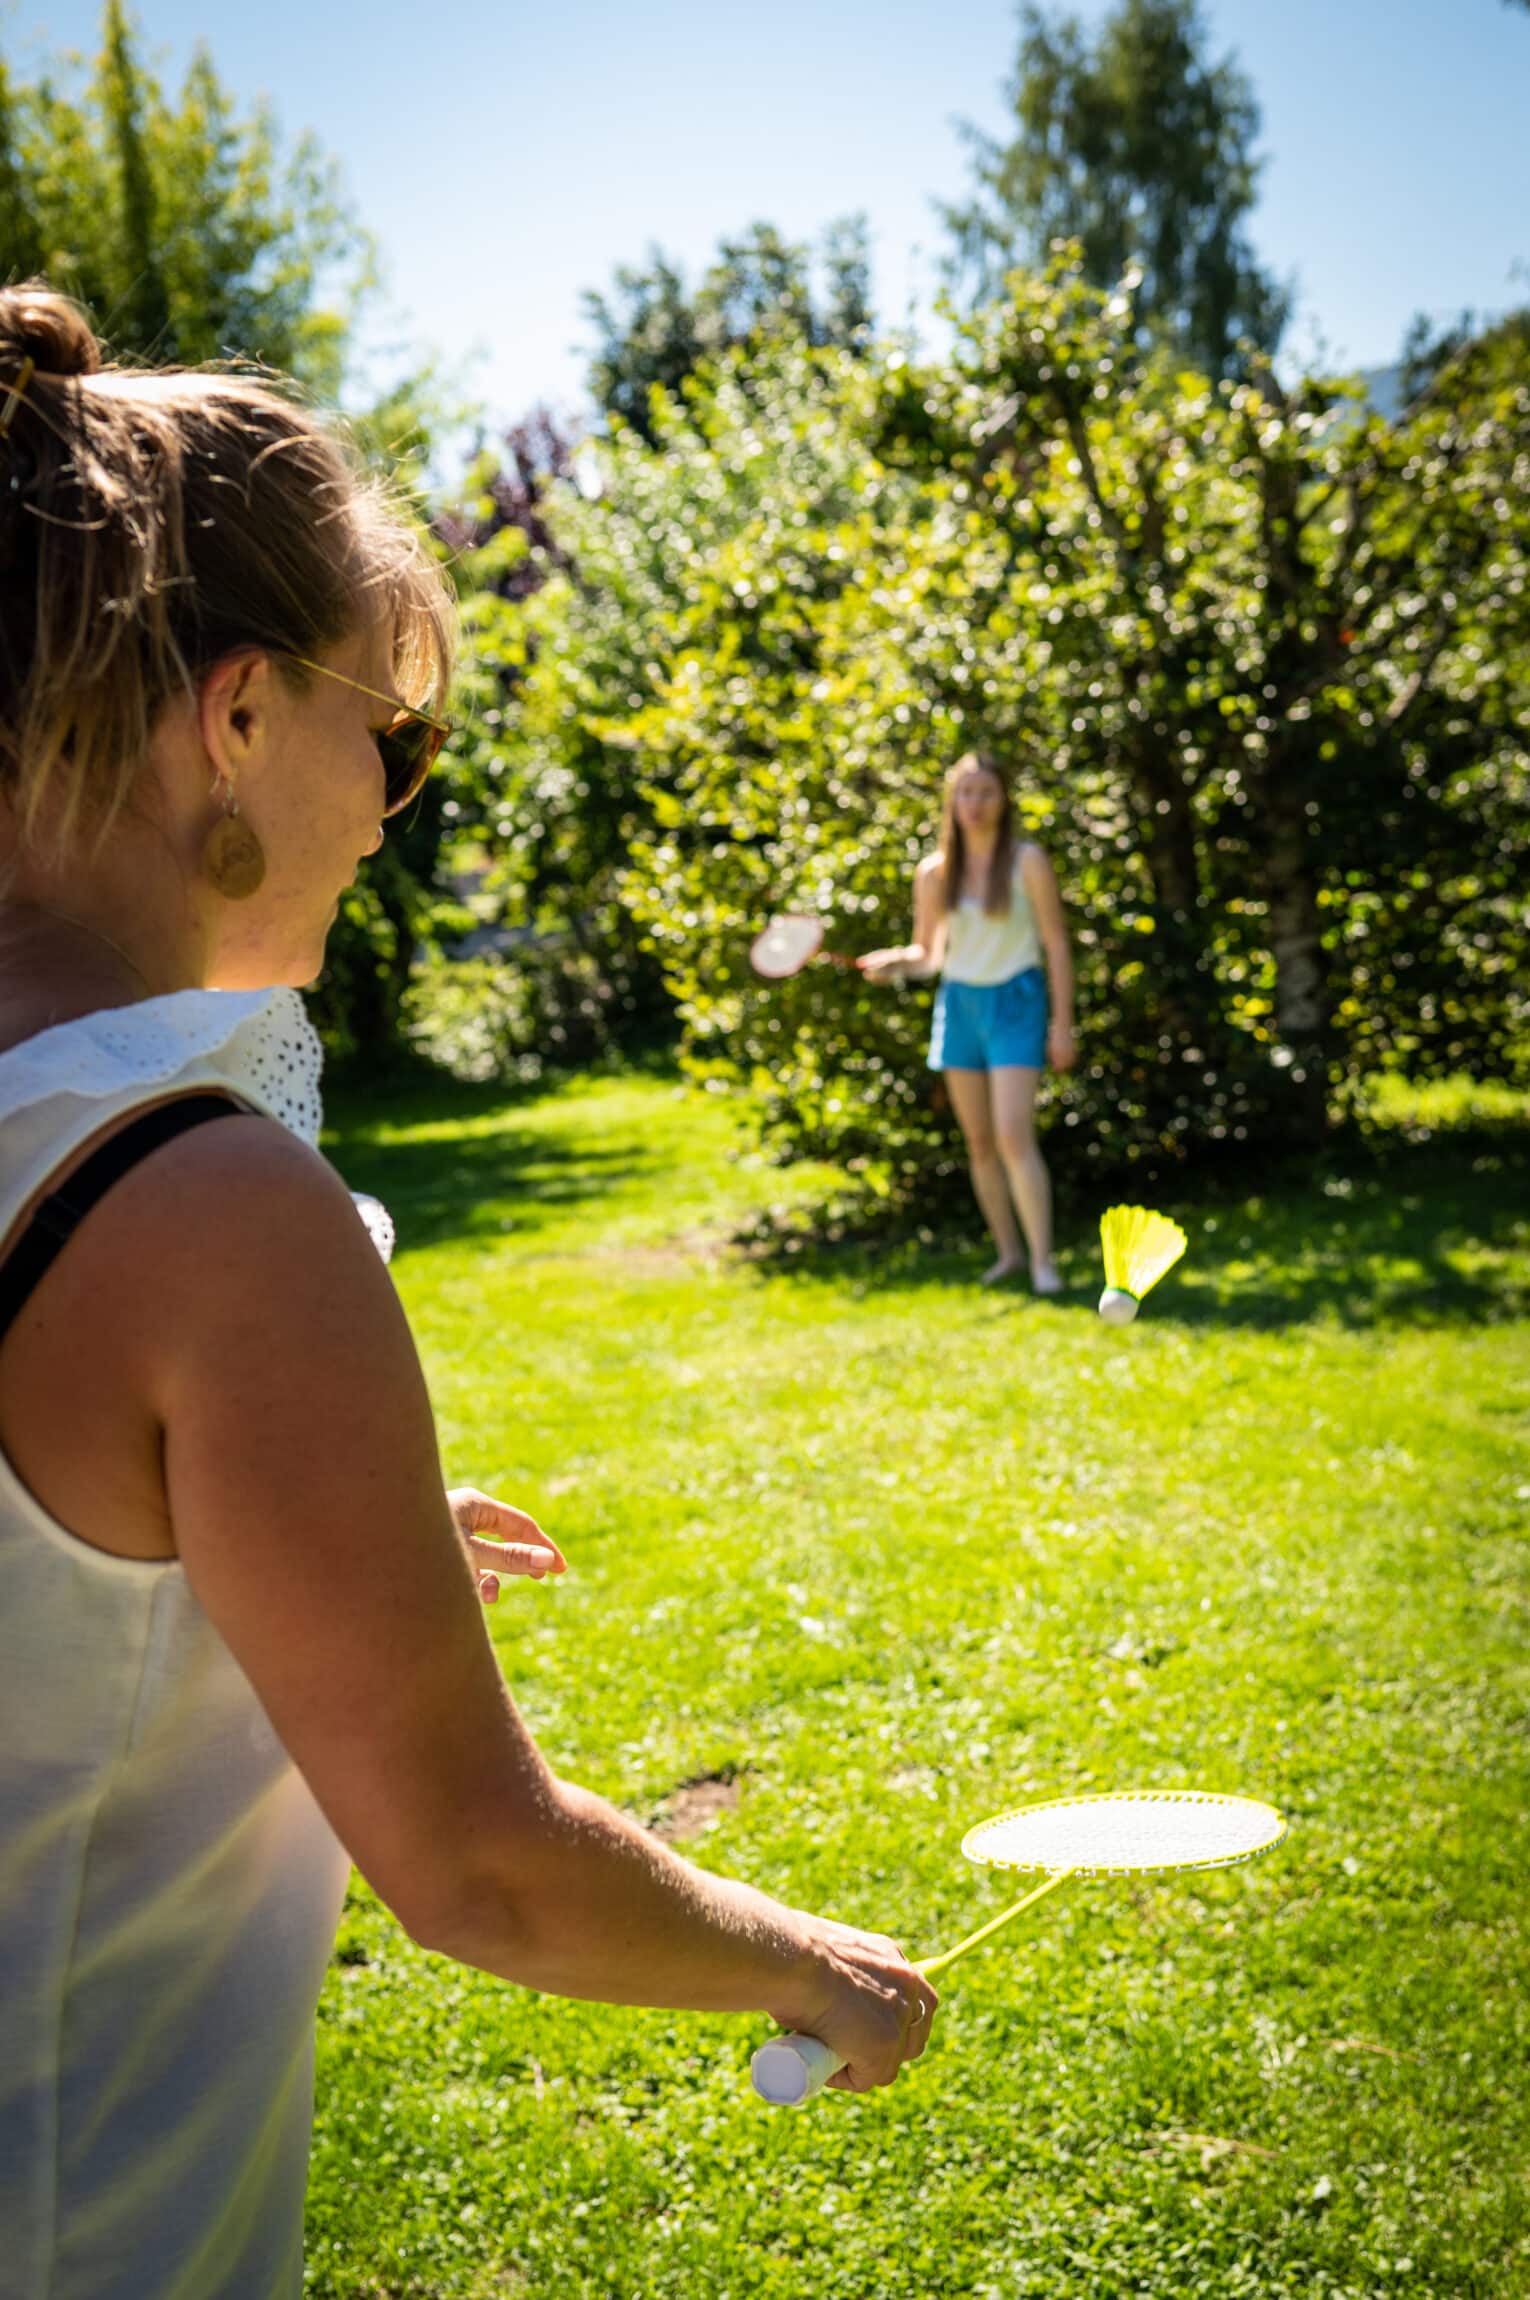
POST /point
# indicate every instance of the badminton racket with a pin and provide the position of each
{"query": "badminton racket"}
(790, 942)
(1130, 1832)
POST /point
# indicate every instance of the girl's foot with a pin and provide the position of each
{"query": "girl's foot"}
(1045, 1278)
(1008, 1266)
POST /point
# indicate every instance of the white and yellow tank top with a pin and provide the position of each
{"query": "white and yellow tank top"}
(168, 1885)
(981, 948)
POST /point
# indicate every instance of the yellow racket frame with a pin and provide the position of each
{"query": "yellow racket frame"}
(972, 1846)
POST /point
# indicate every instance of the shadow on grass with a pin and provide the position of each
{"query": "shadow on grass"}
(460, 1183)
(1420, 1229)
(1376, 1230)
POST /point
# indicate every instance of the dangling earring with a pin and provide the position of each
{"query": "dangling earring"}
(233, 857)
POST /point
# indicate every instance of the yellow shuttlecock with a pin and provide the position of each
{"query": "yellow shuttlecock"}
(1139, 1246)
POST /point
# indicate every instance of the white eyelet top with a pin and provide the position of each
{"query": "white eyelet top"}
(169, 1888)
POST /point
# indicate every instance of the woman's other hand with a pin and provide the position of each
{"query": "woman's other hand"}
(500, 1540)
(1062, 1048)
(884, 965)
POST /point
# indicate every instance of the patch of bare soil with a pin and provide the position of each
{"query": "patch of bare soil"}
(694, 1805)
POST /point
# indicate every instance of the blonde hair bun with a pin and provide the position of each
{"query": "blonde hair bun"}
(38, 324)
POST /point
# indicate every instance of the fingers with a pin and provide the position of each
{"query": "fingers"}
(894, 2014)
(909, 2017)
(536, 1558)
(477, 1512)
(501, 1540)
(921, 2020)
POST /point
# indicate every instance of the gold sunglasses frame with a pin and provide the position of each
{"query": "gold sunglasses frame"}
(442, 727)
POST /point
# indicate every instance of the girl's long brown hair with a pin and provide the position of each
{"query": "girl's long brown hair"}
(953, 846)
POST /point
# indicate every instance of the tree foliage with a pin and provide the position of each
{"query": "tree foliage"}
(1140, 148)
(554, 607)
(1293, 638)
(1259, 654)
(652, 331)
(185, 226)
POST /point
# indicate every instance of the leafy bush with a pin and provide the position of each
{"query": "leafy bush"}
(1258, 655)
(535, 1008)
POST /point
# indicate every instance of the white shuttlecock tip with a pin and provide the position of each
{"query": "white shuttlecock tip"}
(1117, 1307)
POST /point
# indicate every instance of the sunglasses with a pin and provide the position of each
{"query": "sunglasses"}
(409, 745)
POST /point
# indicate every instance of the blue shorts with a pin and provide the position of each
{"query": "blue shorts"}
(991, 1025)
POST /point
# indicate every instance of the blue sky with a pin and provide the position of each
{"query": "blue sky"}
(508, 156)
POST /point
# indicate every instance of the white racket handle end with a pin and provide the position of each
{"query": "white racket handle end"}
(790, 2069)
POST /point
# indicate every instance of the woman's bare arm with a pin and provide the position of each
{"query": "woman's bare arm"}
(300, 1461)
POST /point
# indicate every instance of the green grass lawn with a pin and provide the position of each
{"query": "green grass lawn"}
(882, 1554)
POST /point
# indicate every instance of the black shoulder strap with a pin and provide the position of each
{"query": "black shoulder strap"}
(56, 1217)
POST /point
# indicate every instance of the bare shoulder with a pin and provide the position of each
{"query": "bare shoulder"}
(226, 1274)
(242, 1193)
(931, 866)
(230, 1230)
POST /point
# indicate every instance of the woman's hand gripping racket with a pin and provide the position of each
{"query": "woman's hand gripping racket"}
(1132, 1832)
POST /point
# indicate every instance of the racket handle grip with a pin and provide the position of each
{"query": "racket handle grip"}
(790, 2069)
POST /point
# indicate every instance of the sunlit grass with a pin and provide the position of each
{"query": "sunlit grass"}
(891, 1553)
(1451, 1102)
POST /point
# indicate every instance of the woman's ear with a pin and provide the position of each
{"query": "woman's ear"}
(233, 708)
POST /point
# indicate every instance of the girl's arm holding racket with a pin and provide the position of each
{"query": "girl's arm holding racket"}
(284, 1400)
(915, 960)
(1040, 882)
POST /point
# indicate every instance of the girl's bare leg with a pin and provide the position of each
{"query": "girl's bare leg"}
(969, 1094)
(1012, 1096)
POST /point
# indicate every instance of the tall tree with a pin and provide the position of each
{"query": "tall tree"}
(652, 331)
(19, 235)
(143, 312)
(1140, 147)
(187, 229)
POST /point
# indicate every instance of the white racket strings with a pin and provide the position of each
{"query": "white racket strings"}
(1136, 1829)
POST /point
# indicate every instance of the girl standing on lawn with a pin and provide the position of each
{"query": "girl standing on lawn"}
(986, 915)
(240, 1642)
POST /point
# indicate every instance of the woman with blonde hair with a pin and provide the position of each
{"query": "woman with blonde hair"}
(240, 1643)
(988, 917)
